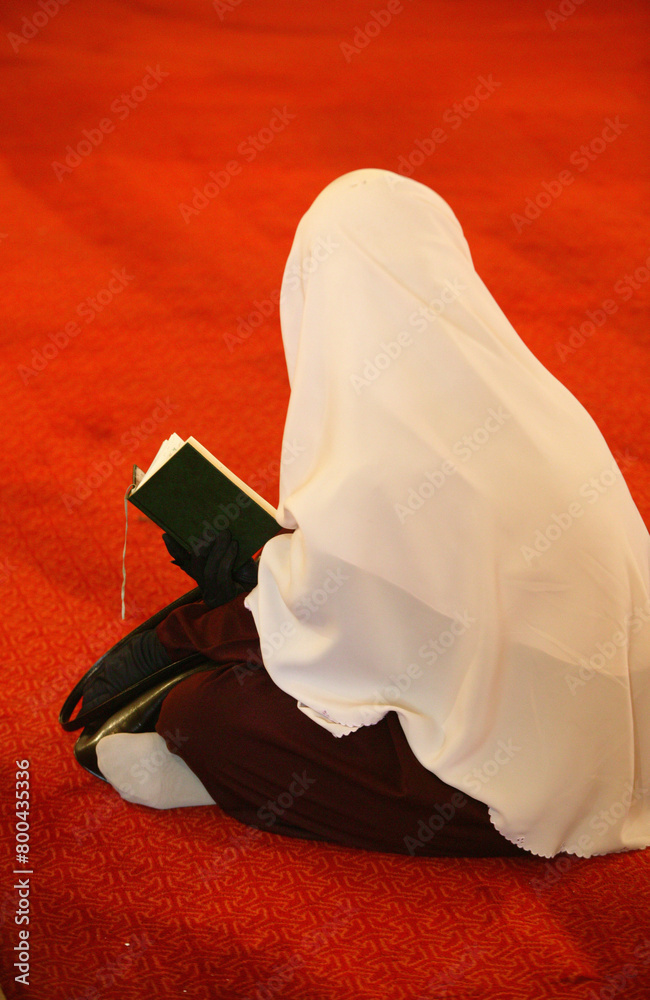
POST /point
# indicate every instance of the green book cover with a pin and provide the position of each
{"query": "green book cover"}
(190, 494)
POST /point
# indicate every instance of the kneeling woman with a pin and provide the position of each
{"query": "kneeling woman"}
(448, 651)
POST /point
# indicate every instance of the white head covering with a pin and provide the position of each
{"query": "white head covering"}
(466, 551)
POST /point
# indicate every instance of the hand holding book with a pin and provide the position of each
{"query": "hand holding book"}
(213, 522)
(193, 497)
(213, 568)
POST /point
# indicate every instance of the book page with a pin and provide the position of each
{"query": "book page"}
(165, 452)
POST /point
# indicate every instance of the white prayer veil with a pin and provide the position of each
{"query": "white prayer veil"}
(466, 551)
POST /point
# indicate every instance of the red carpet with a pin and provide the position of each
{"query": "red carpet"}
(127, 317)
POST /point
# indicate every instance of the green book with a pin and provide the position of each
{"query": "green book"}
(191, 495)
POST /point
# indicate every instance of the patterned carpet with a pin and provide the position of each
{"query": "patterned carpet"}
(156, 156)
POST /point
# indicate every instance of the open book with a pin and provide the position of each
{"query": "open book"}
(191, 495)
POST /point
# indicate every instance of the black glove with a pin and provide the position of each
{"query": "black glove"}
(246, 575)
(212, 568)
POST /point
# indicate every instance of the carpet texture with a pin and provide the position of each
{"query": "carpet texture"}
(155, 160)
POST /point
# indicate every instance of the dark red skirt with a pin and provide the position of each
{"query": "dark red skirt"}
(268, 765)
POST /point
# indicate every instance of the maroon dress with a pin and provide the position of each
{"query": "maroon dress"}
(268, 765)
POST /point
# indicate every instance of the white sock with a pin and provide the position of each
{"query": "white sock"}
(140, 767)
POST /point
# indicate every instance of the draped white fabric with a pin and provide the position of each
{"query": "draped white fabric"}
(467, 552)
